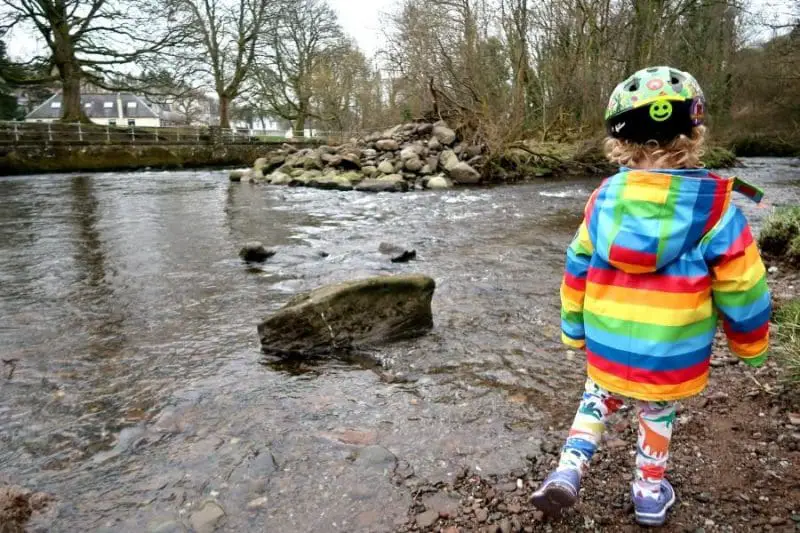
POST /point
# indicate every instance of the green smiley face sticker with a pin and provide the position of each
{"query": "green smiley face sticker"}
(660, 110)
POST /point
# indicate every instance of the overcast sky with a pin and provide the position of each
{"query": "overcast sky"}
(361, 19)
(364, 20)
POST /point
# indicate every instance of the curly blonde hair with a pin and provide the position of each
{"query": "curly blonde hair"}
(682, 152)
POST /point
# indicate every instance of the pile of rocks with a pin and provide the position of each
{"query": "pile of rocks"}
(405, 157)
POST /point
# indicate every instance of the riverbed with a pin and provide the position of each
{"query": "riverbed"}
(135, 392)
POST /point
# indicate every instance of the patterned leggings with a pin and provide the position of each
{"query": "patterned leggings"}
(655, 430)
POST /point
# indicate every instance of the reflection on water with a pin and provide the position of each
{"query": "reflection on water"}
(139, 393)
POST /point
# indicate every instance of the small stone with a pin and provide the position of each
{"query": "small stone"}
(427, 519)
(505, 525)
(614, 444)
(520, 484)
(709, 523)
(205, 520)
(481, 515)
(703, 497)
(451, 529)
(386, 167)
(258, 502)
(514, 508)
(507, 487)
(772, 269)
(255, 252)
(445, 505)
(777, 521)
(794, 419)
(387, 145)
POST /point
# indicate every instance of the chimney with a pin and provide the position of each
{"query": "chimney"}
(119, 107)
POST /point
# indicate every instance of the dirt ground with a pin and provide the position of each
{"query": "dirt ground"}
(735, 464)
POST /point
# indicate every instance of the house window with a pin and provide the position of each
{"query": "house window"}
(87, 105)
(131, 105)
(108, 105)
(131, 122)
(55, 105)
(112, 122)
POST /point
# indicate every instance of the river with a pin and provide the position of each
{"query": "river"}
(137, 391)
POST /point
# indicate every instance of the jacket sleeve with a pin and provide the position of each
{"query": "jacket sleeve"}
(739, 286)
(573, 288)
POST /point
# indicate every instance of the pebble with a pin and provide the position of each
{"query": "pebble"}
(258, 502)
(481, 515)
(514, 508)
(508, 487)
(205, 520)
(444, 504)
(505, 525)
(794, 419)
(427, 519)
(703, 497)
(777, 521)
(614, 444)
(451, 529)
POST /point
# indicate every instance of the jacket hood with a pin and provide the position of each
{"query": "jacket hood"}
(651, 217)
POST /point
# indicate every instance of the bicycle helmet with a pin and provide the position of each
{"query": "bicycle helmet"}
(657, 103)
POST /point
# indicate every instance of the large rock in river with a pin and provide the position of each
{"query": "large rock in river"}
(350, 315)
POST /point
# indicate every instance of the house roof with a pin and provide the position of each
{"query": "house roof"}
(98, 106)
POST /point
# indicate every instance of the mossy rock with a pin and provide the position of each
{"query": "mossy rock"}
(353, 176)
(780, 235)
(350, 315)
(764, 146)
(719, 157)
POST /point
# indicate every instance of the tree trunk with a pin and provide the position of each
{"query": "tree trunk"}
(224, 111)
(71, 110)
(69, 68)
(299, 127)
(300, 120)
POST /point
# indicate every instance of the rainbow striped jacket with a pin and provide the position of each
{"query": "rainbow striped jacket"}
(659, 256)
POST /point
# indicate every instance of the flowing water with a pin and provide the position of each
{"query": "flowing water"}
(132, 387)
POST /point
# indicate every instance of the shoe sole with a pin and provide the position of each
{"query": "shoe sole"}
(554, 499)
(655, 519)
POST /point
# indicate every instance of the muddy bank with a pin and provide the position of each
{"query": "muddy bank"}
(94, 158)
(733, 462)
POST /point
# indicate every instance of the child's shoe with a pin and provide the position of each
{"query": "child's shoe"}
(558, 492)
(653, 512)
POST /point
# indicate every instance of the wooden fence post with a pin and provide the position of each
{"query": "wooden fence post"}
(80, 133)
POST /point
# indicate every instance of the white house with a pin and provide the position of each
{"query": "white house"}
(112, 109)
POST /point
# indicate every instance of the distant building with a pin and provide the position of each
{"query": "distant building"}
(112, 109)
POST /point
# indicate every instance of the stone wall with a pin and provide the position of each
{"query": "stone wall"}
(36, 160)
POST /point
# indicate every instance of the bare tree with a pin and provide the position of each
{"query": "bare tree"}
(89, 40)
(303, 38)
(226, 38)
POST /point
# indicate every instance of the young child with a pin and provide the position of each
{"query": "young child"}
(662, 252)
